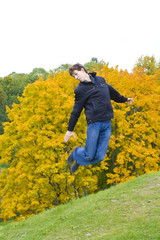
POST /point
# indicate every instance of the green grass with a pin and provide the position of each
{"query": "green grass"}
(128, 211)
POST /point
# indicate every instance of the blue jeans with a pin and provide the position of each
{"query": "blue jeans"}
(98, 136)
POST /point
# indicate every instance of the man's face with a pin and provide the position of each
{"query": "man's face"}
(80, 75)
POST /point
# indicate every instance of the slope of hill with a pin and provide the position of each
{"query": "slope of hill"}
(128, 211)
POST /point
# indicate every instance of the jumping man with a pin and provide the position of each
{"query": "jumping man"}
(94, 95)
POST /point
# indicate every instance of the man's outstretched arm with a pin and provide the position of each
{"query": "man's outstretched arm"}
(117, 97)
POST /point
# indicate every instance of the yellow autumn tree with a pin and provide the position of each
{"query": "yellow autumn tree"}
(134, 148)
(32, 143)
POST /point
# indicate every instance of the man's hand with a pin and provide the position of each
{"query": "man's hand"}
(130, 101)
(68, 135)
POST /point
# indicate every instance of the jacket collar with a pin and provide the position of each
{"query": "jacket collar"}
(93, 74)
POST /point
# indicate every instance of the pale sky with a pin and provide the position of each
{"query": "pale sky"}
(48, 33)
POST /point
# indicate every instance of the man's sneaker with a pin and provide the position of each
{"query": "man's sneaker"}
(74, 168)
(70, 158)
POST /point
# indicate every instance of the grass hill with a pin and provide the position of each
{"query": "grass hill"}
(128, 211)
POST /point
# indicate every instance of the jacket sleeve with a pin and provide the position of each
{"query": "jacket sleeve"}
(115, 95)
(77, 109)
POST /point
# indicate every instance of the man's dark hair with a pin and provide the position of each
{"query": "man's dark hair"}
(77, 67)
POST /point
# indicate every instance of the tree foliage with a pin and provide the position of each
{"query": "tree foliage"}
(62, 67)
(134, 148)
(12, 86)
(95, 65)
(148, 64)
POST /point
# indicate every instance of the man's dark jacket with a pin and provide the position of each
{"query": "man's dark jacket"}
(95, 97)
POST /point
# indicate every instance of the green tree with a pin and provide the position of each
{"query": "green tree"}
(61, 68)
(94, 65)
(1, 98)
(2, 110)
(148, 64)
(12, 87)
